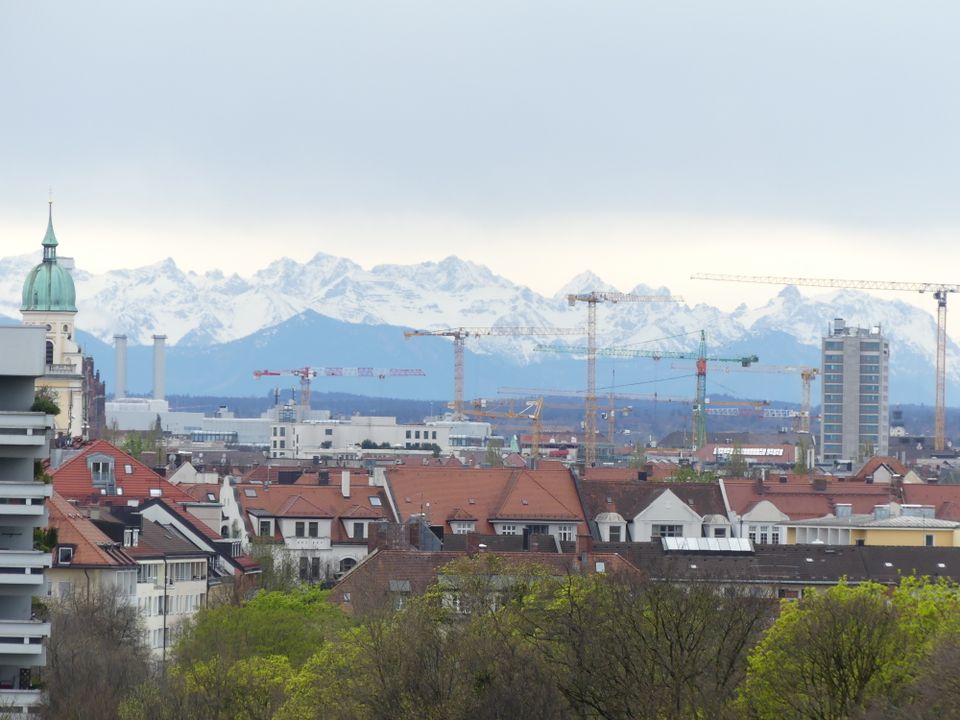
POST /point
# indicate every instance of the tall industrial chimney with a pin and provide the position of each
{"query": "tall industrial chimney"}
(159, 365)
(120, 344)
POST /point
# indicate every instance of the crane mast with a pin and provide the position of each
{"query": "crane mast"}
(590, 401)
(699, 423)
(939, 291)
(459, 336)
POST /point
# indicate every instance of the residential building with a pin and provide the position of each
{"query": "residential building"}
(855, 413)
(84, 558)
(761, 510)
(888, 524)
(502, 501)
(24, 443)
(322, 528)
(640, 511)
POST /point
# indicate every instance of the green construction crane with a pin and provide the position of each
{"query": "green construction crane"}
(700, 401)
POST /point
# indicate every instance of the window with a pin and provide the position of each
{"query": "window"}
(250, 492)
(508, 529)
(775, 535)
(128, 469)
(101, 472)
(663, 531)
(313, 529)
(408, 434)
(463, 527)
(764, 530)
(614, 533)
(299, 528)
(375, 501)
(566, 533)
(315, 568)
(719, 532)
(265, 528)
(538, 529)
(283, 432)
(49, 353)
(328, 431)
(359, 530)
(752, 533)
(304, 567)
(64, 555)
(283, 444)
(347, 564)
(928, 541)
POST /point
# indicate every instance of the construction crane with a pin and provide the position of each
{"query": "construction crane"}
(939, 291)
(531, 411)
(611, 412)
(459, 336)
(590, 400)
(306, 373)
(699, 403)
(807, 376)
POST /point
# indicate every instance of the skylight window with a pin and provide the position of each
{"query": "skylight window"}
(155, 492)
(128, 469)
(211, 497)
(250, 492)
(375, 501)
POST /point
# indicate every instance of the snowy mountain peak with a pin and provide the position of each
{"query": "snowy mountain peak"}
(585, 282)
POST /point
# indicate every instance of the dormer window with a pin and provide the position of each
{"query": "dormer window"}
(101, 472)
(64, 555)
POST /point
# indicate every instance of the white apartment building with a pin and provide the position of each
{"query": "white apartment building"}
(24, 440)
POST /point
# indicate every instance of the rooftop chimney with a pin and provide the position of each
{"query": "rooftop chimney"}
(159, 365)
(120, 344)
(345, 483)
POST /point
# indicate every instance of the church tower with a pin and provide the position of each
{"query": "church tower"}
(50, 301)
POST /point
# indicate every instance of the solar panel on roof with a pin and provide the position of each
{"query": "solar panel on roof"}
(700, 544)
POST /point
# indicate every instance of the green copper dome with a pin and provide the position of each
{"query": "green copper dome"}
(49, 286)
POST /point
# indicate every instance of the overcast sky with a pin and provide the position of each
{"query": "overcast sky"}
(640, 140)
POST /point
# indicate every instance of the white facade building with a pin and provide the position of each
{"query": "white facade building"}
(24, 439)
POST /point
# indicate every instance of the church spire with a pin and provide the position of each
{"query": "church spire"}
(50, 240)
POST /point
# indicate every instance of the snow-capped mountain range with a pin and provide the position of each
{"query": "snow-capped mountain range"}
(202, 311)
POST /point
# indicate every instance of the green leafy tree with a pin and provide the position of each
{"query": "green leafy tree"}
(826, 656)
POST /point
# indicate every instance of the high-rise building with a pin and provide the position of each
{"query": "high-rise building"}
(24, 442)
(855, 414)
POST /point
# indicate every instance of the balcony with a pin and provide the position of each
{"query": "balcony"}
(307, 543)
(62, 369)
(23, 567)
(23, 498)
(23, 637)
(24, 429)
(18, 702)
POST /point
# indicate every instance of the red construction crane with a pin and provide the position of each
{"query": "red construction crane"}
(590, 401)
(939, 291)
(460, 334)
(306, 373)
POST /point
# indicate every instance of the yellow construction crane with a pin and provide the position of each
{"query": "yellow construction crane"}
(807, 375)
(939, 290)
(460, 334)
(531, 411)
(590, 400)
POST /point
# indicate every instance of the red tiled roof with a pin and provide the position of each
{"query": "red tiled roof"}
(73, 480)
(201, 491)
(92, 548)
(800, 501)
(630, 499)
(314, 501)
(945, 498)
(489, 493)
(873, 464)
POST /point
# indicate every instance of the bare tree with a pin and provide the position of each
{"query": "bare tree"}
(96, 655)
